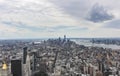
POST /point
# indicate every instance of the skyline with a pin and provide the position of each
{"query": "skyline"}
(54, 18)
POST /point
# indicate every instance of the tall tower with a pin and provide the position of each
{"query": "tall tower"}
(4, 69)
(26, 66)
(64, 38)
(101, 66)
(16, 67)
(24, 55)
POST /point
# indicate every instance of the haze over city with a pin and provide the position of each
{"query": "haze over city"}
(54, 18)
(59, 37)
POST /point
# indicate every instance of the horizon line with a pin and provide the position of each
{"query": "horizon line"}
(55, 38)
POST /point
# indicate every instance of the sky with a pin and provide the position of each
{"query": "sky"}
(56, 18)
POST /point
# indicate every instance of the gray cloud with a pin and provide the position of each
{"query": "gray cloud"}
(99, 14)
(75, 8)
(57, 28)
(113, 24)
(41, 17)
(21, 25)
(69, 28)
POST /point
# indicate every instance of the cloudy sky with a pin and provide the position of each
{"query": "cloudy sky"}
(54, 18)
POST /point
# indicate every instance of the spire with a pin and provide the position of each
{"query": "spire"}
(4, 66)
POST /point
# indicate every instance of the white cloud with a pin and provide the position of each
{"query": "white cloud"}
(49, 14)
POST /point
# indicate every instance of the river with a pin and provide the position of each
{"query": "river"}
(86, 42)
